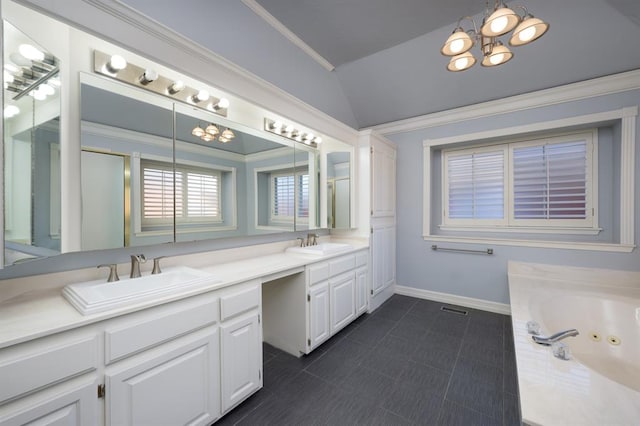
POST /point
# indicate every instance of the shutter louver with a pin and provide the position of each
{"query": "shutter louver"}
(550, 181)
(476, 185)
(283, 196)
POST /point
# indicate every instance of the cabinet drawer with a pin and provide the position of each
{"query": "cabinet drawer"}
(362, 258)
(34, 365)
(318, 272)
(342, 264)
(157, 327)
(236, 303)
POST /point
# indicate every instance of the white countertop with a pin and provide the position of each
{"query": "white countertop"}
(41, 312)
(568, 392)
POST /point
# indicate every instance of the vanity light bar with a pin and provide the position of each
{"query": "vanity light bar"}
(149, 79)
(288, 131)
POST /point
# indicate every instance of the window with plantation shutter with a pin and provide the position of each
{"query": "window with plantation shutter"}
(197, 194)
(290, 196)
(476, 185)
(534, 184)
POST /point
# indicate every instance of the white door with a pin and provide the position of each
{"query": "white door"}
(176, 384)
(343, 305)
(103, 203)
(361, 290)
(383, 257)
(241, 369)
(319, 324)
(383, 179)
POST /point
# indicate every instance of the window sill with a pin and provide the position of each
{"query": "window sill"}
(606, 247)
(523, 230)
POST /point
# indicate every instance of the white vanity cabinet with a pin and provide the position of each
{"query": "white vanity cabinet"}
(183, 362)
(336, 295)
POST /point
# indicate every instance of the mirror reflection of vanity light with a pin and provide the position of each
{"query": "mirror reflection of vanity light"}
(11, 111)
(30, 52)
(221, 104)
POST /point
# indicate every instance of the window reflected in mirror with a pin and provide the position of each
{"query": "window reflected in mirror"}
(339, 190)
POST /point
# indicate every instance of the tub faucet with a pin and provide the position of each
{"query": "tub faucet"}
(547, 341)
(136, 260)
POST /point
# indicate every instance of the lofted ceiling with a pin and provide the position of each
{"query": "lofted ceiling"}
(386, 53)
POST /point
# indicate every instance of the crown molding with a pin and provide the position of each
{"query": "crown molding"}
(600, 86)
(287, 33)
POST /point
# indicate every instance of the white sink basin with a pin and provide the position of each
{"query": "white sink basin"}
(321, 249)
(98, 296)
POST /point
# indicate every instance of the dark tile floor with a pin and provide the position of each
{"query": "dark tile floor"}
(407, 363)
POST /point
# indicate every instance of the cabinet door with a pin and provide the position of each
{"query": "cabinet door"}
(59, 406)
(343, 305)
(241, 369)
(383, 257)
(319, 324)
(175, 384)
(361, 290)
(383, 180)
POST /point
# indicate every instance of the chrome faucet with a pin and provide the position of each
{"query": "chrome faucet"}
(547, 341)
(312, 239)
(136, 260)
(113, 272)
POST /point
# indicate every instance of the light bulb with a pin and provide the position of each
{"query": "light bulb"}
(496, 59)
(212, 130)
(223, 103)
(11, 68)
(499, 24)
(202, 96)
(8, 78)
(289, 128)
(318, 140)
(30, 52)
(276, 126)
(55, 82)
(461, 63)
(46, 89)
(177, 86)
(116, 63)
(527, 34)
(148, 76)
(39, 96)
(207, 137)
(11, 110)
(456, 45)
(198, 131)
(228, 134)
(223, 139)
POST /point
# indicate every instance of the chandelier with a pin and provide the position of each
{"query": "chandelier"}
(497, 21)
(212, 131)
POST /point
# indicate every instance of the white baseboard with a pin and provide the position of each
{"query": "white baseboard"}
(469, 302)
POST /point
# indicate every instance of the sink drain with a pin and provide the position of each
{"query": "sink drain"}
(595, 336)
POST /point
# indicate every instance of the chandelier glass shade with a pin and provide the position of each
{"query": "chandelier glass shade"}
(209, 133)
(497, 22)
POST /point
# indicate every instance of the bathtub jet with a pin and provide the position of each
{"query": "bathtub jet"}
(548, 341)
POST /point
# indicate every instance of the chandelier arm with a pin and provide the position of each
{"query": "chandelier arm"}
(468, 18)
(524, 10)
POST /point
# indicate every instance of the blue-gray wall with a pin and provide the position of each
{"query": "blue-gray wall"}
(485, 277)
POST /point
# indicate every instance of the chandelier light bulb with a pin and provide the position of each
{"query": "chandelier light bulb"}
(227, 134)
(498, 55)
(461, 62)
(207, 137)
(198, 131)
(212, 130)
(500, 22)
(457, 43)
(528, 30)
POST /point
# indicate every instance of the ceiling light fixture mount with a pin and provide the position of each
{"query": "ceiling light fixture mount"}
(116, 67)
(497, 21)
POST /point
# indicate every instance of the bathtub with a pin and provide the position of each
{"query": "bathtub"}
(600, 383)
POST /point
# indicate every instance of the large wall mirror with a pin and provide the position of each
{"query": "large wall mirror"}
(31, 148)
(153, 170)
